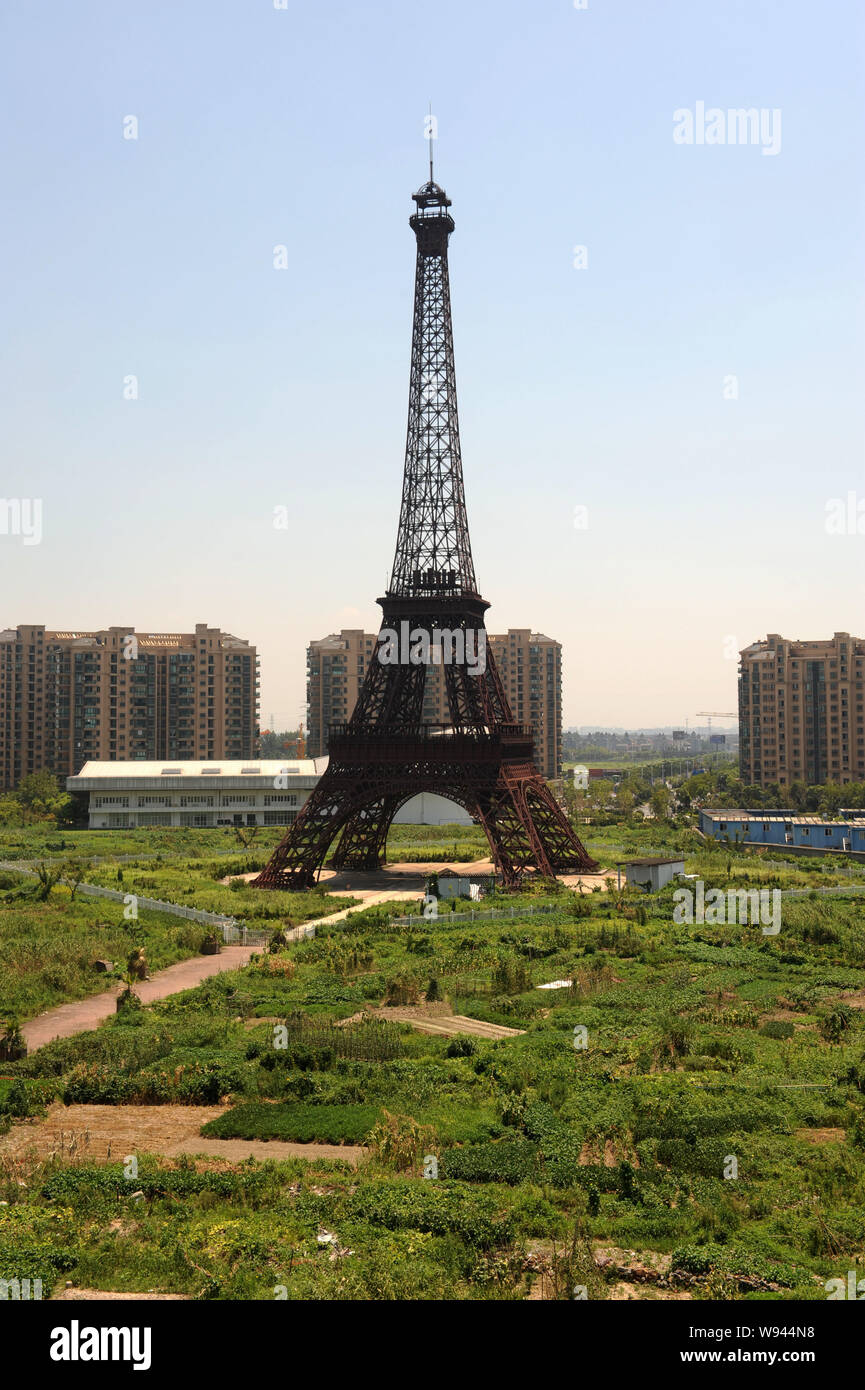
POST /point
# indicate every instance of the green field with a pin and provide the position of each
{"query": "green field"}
(713, 1126)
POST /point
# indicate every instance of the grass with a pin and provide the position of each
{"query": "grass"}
(302, 1124)
(49, 949)
(705, 1043)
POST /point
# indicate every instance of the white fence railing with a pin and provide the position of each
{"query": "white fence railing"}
(233, 931)
(474, 916)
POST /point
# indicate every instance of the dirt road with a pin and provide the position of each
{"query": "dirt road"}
(84, 1015)
(99, 1133)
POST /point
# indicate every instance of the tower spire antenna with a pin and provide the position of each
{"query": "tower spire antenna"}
(431, 137)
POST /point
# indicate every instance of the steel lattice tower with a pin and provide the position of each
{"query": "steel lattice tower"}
(482, 760)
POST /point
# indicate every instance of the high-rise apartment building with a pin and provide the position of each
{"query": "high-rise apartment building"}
(335, 668)
(530, 666)
(67, 698)
(802, 711)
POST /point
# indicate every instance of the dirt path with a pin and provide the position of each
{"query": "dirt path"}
(104, 1295)
(404, 881)
(399, 882)
(84, 1015)
(451, 1024)
(371, 897)
(448, 1025)
(99, 1133)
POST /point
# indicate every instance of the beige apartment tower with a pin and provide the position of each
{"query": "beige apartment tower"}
(530, 666)
(67, 698)
(802, 711)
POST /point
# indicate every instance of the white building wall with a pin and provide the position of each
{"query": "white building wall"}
(267, 793)
(428, 808)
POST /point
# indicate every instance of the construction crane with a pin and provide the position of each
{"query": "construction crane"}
(297, 746)
(711, 714)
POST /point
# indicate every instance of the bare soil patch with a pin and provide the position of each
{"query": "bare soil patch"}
(821, 1136)
(106, 1295)
(856, 1001)
(436, 1019)
(397, 881)
(433, 1018)
(100, 1133)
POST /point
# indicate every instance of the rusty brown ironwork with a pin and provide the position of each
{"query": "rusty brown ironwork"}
(386, 753)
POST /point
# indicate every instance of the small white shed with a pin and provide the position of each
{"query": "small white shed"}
(453, 885)
(652, 874)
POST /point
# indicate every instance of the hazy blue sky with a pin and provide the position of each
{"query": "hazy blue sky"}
(600, 388)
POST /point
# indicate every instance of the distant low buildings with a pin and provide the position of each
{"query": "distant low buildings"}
(785, 830)
(125, 795)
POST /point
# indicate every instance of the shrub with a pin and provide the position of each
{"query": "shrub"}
(511, 976)
(835, 1024)
(506, 1161)
(399, 1141)
(433, 1207)
(777, 1028)
(402, 989)
(303, 1124)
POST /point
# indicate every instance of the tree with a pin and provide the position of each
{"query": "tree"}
(601, 792)
(74, 871)
(272, 742)
(136, 965)
(831, 796)
(39, 795)
(660, 802)
(48, 876)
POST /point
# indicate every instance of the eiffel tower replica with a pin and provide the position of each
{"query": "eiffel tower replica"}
(386, 753)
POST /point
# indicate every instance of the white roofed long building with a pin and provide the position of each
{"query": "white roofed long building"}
(254, 791)
(257, 791)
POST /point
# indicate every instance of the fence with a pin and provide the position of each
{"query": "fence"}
(482, 916)
(234, 932)
(846, 890)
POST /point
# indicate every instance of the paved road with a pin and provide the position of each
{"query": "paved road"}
(84, 1015)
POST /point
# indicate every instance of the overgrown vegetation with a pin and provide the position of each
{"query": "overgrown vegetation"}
(693, 1097)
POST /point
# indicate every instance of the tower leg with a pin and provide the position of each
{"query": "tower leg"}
(528, 832)
(363, 841)
(298, 857)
